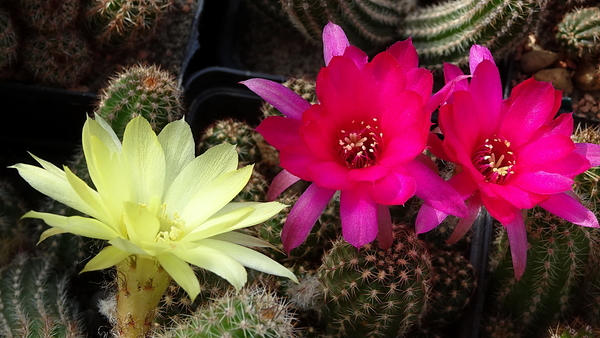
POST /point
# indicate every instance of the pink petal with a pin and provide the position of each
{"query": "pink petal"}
(321, 133)
(282, 98)
(589, 151)
(297, 159)
(562, 125)
(280, 131)
(567, 207)
(452, 71)
(517, 237)
(544, 151)
(428, 218)
(340, 93)
(542, 182)
(570, 166)
(355, 54)
(486, 91)
(334, 42)
(405, 53)
(385, 234)
(477, 54)
(420, 80)
(514, 195)
(371, 174)
(330, 175)
(499, 208)
(394, 189)
(359, 217)
(435, 191)
(466, 121)
(303, 216)
(444, 95)
(436, 146)
(280, 183)
(474, 206)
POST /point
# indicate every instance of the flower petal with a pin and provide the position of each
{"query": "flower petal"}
(565, 206)
(486, 92)
(428, 218)
(330, 175)
(280, 183)
(355, 54)
(282, 98)
(394, 189)
(477, 54)
(219, 224)
(542, 183)
(303, 215)
(92, 199)
(514, 195)
(182, 274)
(250, 258)
(106, 258)
(50, 232)
(141, 224)
(82, 226)
(464, 224)
(405, 53)
(543, 151)
(177, 143)
(517, 237)
(335, 42)
(589, 151)
(242, 239)
(280, 131)
(358, 212)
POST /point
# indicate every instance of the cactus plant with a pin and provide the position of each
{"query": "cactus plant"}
(254, 312)
(373, 292)
(57, 59)
(34, 301)
(580, 31)
(140, 90)
(15, 234)
(49, 15)
(233, 132)
(9, 39)
(124, 22)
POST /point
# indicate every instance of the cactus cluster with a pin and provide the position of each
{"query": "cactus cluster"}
(9, 39)
(580, 31)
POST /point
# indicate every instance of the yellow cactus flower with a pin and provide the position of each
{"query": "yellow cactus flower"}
(154, 200)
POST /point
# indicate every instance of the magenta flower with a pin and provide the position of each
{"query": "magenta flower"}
(512, 154)
(364, 138)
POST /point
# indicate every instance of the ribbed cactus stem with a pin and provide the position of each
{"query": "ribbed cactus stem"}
(580, 30)
(141, 283)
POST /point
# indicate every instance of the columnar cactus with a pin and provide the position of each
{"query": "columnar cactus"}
(49, 15)
(9, 39)
(140, 90)
(34, 301)
(372, 292)
(124, 22)
(580, 31)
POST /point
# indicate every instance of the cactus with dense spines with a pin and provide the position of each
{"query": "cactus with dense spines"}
(557, 257)
(580, 31)
(370, 292)
(253, 312)
(445, 32)
(62, 59)
(15, 234)
(586, 184)
(49, 15)
(9, 39)
(573, 329)
(124, 22)
(140, 90)
(234, 132)
(34, 301)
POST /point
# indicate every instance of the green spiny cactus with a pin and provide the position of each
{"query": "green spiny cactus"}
(15, 234)
(34, 301)
(57, 59)
(580, 31)
(49, 15)
(557, 256)
(586, 184)
(573, 329)
(234, 132)
(140, 90)
(445, 32)
(253, 312)
(376, 293)
(124, 22)
(9, 39)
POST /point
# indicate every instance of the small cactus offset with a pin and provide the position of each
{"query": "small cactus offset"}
(58, 59)
(557, 257)
(49, 15)
(140, 90)
(253, 312)
(34, 301)
(234, 132)
(580, 31)
(372, 292)
(445, 32)
(9, 39)
(124, 22)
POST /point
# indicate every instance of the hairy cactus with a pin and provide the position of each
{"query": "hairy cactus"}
(234, 132)
(580, 31)
(49, 15)
(140, 90)
(557, 256)
(34, 301)
(9, 39)
(124, 22)
(373, 292)
(445, 32)
(57, 59)
(254, 312)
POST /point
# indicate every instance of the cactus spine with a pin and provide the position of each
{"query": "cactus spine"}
(233, 132)
(580, 31)
(9, 40)
(49, 15)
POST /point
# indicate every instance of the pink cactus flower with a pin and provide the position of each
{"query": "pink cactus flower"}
(511, 154)
(364, 138)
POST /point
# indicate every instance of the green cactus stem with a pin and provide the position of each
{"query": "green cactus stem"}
(580, 31)
(234, 132)
(49, 15)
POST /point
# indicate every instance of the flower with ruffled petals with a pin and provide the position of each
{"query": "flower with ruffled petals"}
(155, 200)
(511, 154)
(364, 138)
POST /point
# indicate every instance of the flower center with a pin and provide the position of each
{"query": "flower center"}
(495, 159)
(360, 146)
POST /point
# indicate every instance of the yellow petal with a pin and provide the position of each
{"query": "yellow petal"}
(143, 160)
(219, 224)
(243, 239)
(91, 198)
(204, 169)
(82, 226)
(97, 129)
(177, 142)
(127, 246)
(262, 212)
(141, 224)
(217, 262)
(106, 258)
(50, 232)
(250, 258)
(214, 196)
(181, 273)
